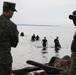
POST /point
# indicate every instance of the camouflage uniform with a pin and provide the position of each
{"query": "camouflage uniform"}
(73, 64)
(8, 39)
(73, 56)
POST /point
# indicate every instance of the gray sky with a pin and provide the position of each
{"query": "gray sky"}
(42, 12)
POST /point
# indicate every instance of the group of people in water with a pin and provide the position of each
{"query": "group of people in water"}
(35, 38)
(45, 42)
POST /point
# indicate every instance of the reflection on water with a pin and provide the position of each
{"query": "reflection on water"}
(57, 54)
(44, 57)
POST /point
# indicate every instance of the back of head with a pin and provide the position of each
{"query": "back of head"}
(57, 37)
(44, 37)
(74, 13)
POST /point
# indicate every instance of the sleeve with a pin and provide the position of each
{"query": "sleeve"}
(14, 35)
(73, 44)
(74, 37)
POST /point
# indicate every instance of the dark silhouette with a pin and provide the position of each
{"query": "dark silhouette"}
(73, 46)
(22, 34)
(33, 38)
(57, 44)
(44, 43)
(37, 38)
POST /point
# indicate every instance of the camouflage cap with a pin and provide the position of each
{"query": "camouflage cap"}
(9, 5)
(73, 15)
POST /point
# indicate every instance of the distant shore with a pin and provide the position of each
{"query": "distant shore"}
(37, 25)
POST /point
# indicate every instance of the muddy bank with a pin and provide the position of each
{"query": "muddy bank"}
(56, 66)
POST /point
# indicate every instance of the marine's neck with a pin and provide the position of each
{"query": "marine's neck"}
(6, 14)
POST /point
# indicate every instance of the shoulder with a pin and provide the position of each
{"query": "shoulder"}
(2, 19)
(12, 23)
(54, 39)
(6, 21)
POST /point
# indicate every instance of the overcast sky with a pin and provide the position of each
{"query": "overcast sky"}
(42, 12)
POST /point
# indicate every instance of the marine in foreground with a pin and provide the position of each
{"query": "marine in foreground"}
(8, 38)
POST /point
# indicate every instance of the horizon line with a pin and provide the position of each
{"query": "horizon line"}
(37, 25)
